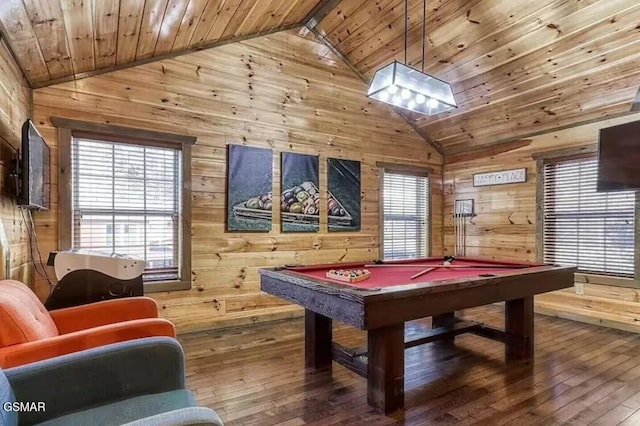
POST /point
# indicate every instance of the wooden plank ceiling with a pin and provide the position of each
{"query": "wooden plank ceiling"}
(517, 67)
(57, 39)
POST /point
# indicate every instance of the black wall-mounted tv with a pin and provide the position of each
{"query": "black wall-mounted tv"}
(34, 172)
(619, 158)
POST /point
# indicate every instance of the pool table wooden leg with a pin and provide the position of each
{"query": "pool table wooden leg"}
(444, 320)
(519, 327)
(385, 378)
(317, 341)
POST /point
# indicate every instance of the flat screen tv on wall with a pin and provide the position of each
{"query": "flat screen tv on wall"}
(619, 158)
(34, 173)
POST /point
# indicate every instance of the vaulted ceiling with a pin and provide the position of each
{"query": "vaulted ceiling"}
(54, 39)
(517, 67)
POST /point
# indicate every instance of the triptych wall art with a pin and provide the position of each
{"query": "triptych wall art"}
(250, 201)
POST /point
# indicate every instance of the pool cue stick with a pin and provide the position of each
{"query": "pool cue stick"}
(456, 231)
(485, 266)
(424, 271)
(455, 235)
(458, 234)
(464, 236)
(454, 266)
(391, 265)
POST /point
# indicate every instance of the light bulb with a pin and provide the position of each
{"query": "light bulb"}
(406, 93)
(420, 99)
(397, 100)
(392, 89)
(411, 104)
(433, 103)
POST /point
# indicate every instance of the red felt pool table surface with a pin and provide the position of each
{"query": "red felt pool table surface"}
(393, 273)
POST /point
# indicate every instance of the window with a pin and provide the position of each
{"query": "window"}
(127, 191)
(582, 227)
(126, 200)
(405, 204)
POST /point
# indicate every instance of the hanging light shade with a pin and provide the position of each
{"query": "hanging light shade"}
(405, 87)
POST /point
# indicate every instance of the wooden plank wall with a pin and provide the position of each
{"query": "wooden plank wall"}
(14, 110)
(281, 91)
(505, 227)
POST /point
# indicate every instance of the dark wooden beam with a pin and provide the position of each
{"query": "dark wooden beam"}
(317, 341)
(484, 151)
(352, 359)
(318, 13)
(398, 111)
(443, 333)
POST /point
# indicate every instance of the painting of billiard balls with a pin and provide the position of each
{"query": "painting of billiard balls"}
(300, 198)
(344, 195)
(249, 185)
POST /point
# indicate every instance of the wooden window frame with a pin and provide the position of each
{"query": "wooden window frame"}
(410, 170)
(584, 151)
(68, 129)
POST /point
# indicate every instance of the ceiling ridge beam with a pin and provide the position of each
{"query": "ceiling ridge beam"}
(169, 55)
(435, 145)
(319, 12)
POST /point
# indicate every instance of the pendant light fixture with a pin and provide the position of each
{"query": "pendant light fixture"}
(402, 86)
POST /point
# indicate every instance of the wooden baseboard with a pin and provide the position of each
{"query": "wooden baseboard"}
(221, 322)
(553, 311)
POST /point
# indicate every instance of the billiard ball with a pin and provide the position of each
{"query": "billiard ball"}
(337, 211)
(253, 203)
(302, 196)
(295, 208)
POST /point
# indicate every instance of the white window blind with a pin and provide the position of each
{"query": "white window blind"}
(406, 216)
(126, 200)
(582, 227)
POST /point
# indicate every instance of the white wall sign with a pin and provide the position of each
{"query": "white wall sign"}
(500, 178)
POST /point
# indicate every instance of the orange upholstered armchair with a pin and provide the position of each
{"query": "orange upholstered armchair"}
(29, 333)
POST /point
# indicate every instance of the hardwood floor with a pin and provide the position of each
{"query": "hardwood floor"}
(582, 375)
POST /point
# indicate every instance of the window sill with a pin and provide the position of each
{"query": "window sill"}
(160, 286)
(584, 278)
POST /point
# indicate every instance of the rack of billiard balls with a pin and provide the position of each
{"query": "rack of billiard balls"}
(348, 275)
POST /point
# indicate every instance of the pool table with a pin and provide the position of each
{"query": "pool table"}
(389, 296)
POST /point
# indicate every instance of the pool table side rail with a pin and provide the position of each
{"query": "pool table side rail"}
(367, 309)
(411, 289)
(314, 296)
(380, 313)
(484, 260)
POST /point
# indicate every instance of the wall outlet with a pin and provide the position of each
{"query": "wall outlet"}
(579, 288)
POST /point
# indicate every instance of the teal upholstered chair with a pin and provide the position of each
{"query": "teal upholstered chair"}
(138, 382)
